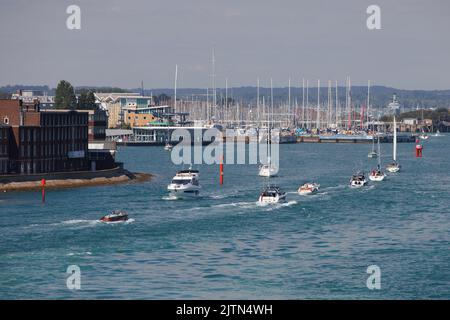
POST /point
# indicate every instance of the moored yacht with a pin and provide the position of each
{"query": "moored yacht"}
(272, 194)
(358, 180)
(185, 184)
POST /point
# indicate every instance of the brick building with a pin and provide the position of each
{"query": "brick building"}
(44, 141)
(4, 148)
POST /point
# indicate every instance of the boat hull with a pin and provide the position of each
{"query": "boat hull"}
(358, 184)
(377, 178)
(393, 168)
(114, 219)
(272, 200)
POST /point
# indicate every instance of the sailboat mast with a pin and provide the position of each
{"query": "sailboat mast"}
(289, 99)
(307, 104)
(395, 141)
(368, 103)
(318, 105)
(226, 99)
(271, 96)
(303, 101)
(379, 153)
(257, 100)
(175, 89)
(337, 105)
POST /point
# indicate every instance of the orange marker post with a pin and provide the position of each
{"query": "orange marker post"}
(221, 170)
(43, 190)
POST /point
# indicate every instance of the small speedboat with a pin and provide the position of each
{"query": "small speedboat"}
(168, 147)
(377, 175)
(308, 188)
(393, 167)
(358, 180)
(115, 216)
(272, 194)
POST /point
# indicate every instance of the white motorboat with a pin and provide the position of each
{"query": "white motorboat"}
(358, 180)
(308, 188)
(394, 166)
(272, 194)
(185, 184)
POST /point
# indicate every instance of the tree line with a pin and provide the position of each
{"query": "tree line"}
(66, 97)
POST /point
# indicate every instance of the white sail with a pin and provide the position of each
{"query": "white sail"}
(394, 153)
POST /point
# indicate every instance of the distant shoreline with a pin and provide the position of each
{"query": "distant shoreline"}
(72, 180)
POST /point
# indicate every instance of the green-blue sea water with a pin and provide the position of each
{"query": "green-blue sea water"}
(224, 245)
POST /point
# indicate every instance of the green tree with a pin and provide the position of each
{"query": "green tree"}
(65, 96)
(86, 100)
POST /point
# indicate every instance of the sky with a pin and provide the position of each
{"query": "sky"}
(122, 42)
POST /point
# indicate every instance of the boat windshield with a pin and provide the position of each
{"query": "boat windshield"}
(181, 181)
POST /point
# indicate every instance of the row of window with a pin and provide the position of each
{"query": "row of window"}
(4, 166)
(50, 134)
(3, 150)
(4, 133)
(52, 150)
(30, 167)
(55, 119)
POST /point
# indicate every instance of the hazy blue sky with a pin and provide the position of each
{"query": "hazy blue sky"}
(124, 41)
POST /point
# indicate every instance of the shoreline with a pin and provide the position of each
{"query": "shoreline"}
(109, 177)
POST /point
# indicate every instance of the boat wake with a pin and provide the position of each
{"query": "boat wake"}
(118, 222)
(280, 205)
(170, 198)
(70, 254)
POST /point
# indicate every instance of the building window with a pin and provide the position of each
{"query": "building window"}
(6, 120)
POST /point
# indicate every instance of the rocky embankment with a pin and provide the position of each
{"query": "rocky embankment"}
(71, 180)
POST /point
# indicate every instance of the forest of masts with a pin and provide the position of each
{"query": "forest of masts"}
(305, 111)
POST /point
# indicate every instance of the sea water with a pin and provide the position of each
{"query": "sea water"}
(225, 245)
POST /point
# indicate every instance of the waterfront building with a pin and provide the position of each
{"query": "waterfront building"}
(44, 141)
(126, 108)
(4, 147)
(29, 96)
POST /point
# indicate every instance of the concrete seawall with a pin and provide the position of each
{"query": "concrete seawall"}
(70, 179)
